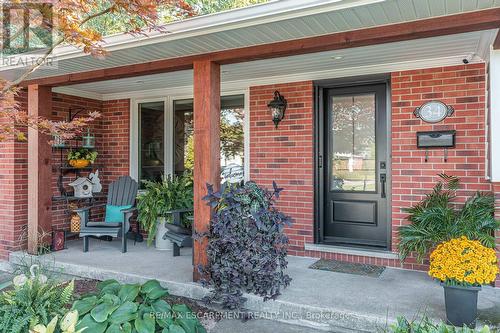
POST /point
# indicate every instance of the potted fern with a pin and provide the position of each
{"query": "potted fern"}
(156, 203)
(438, 218)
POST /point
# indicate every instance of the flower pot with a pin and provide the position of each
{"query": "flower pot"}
(79, 163)
(160, 243)
(461, 305)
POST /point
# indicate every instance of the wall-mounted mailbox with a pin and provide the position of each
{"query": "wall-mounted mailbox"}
(436, 139)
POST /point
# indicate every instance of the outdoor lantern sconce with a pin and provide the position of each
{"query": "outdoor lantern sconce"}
(88, 140)
(277, 107)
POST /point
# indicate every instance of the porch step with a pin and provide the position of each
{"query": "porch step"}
(352, 251)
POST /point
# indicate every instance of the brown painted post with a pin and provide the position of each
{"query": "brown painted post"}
(206, 150)
(39, 168)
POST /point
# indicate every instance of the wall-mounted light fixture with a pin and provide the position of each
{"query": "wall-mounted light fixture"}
(277, 107)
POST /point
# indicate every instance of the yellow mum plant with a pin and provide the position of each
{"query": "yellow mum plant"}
(463, 262)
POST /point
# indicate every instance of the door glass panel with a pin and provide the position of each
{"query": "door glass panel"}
(232, 113)
(183, 136)
(353, 155)
(151, 141)
(231, 138)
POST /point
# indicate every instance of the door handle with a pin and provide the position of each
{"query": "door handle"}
(383, 179)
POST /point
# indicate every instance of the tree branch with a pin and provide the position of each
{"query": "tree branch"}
(42, 59)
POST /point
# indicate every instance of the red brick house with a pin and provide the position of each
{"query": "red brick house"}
(352, 72)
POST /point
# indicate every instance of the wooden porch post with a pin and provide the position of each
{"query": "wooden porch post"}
(206, 150)
(39, 168)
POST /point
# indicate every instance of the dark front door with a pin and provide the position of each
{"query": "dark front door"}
(356, 166)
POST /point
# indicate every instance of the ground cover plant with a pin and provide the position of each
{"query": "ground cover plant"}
(425, 325)
(33, 300)
(247, 246)
(38, 302)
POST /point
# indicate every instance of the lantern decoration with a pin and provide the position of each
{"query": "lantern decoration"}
(277, 107)
(58, 141)
(88, 140)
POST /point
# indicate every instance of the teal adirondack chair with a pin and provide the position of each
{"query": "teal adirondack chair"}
(120, 207)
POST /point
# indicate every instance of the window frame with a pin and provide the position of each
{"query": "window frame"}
(169, 100)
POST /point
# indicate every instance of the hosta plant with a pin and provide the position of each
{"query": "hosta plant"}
(439, 218)
(247, 246)
(134, 308)
(66, 325)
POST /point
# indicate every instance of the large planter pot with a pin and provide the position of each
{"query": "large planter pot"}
(160, 243)
(461, 305)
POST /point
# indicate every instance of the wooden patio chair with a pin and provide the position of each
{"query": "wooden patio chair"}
(177, 234)
(120, 207)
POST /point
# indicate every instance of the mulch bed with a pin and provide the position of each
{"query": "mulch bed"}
(85, 286)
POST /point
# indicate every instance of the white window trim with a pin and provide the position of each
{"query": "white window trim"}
(494, 94)
(134, 134)
(168, 99)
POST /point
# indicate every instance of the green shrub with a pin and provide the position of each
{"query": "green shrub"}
(134, 308)
(437, 219)
(247, 245)
(425, 325)
(160, 197)
(32, 301)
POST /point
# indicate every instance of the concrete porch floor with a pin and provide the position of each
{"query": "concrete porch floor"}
(320, 299)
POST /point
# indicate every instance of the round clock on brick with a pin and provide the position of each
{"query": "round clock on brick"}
(433, 111)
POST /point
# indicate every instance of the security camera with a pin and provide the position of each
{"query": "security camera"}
(468, 59)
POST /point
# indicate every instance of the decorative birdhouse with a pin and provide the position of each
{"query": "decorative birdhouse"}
(82, 187)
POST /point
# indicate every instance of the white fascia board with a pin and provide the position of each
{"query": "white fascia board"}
(201, 25)
(494, 93)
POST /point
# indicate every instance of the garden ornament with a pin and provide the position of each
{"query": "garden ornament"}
(94, 179)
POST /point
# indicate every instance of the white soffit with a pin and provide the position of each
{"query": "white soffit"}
(420, 53)
(275, 21)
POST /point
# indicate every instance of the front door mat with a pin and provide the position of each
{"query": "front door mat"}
(348, 268)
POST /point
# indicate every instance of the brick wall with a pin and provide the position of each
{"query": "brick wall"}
(14, 191)
(112, 143)
(60, 108)
(462, 87)
(115, 138)
(285, 155)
